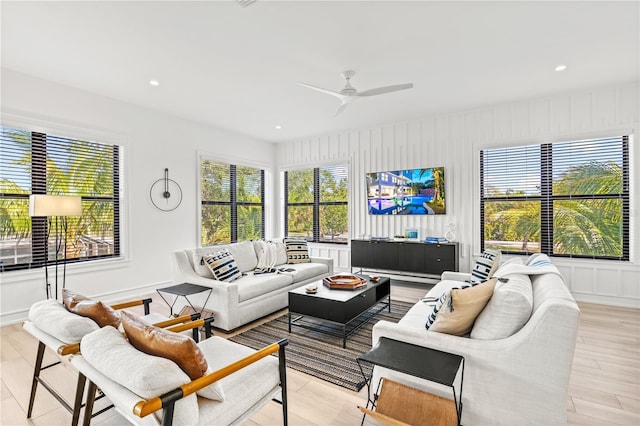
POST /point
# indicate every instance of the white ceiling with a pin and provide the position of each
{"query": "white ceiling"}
(236, 68)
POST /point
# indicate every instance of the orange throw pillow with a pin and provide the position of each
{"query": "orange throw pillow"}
(158, 342)
(99, 312)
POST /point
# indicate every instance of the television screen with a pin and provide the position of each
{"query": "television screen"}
(415, 191)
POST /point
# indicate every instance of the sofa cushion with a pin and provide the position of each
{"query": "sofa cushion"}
(99, 312)
(223, 266)
(508, 310)
(304, 271)
(458, 308)
(485, 266)
(159, 342)
(251, 285)
(54, 319)
(297, 251)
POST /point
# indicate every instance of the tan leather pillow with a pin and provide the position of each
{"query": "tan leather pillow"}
(96, 310)
(158, 342)
(460, 310)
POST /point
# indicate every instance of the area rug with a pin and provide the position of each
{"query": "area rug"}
(319, 354)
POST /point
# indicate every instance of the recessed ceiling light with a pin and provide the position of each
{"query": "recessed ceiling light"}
(154, 82)
(278, 127)
(561, 67)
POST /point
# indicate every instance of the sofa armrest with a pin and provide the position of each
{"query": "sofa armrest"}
(455, 276)
(326, 260)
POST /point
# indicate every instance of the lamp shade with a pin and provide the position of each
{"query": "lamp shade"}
(54, 205)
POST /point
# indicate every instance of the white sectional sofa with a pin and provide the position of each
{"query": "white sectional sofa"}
(250, 297)
(520, 379)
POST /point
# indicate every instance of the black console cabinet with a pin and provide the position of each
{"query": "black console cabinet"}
(405, 256)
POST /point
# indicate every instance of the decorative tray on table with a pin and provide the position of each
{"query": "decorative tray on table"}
(344, 282)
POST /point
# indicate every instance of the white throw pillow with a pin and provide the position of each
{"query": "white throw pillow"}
(267, 254)
(508, 310)
(53, 318)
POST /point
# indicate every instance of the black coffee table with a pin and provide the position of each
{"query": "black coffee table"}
(341, 307)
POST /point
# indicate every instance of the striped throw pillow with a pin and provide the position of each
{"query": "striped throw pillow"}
(297, 251)
(486, 266)
(222, 266)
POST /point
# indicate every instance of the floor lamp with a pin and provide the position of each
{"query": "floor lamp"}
(56, 208)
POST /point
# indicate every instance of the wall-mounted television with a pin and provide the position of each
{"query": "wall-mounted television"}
(414, 191)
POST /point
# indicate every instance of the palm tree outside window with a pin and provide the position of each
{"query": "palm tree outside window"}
(39, 163)
(566, 199)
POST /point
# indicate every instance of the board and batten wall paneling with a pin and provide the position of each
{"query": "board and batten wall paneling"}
(453, 141)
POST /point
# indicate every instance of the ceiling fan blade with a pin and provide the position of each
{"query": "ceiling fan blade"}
(385, 89)
(320, 89)
(341, 108)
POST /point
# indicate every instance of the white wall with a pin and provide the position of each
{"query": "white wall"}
(454, 140)
(152, 141)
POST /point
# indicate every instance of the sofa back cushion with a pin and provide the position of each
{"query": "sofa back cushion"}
(243, 253)
(508, 310)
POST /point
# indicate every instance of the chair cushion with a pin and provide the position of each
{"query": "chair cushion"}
(53, 318)
(297, 251)
(109, 352)
(222, 265)
(457, 309)
(159, 342)
(244, 388)
(508, 310)
(96, 310)
(485, 266)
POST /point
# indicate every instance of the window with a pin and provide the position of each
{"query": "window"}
(232, 203)
(39, 163)
(561, 199)
(316, 204)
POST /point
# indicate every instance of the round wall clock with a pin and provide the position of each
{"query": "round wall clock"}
(165, 193)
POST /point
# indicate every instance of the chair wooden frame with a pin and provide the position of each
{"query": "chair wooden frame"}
(167, 401)
(176, 324)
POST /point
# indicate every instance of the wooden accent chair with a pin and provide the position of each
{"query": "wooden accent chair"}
(152, 390)
(63, 338)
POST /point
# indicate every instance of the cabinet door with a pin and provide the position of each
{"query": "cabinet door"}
(361, 254)
(440, 258)
(411, 257)
(385, 255)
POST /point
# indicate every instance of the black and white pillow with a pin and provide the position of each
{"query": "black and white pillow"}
(297, 251)
(222, 266)
(486, 265)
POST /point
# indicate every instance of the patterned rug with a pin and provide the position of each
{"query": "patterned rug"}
(319, 354)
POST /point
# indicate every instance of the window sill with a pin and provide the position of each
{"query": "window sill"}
(9, 277)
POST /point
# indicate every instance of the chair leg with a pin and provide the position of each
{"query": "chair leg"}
(282, 367)
(88, 408)
(77, 403)
(36, 375)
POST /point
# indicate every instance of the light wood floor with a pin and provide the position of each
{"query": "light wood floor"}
(604, 385)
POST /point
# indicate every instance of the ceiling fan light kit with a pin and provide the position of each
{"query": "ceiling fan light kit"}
(349, 93)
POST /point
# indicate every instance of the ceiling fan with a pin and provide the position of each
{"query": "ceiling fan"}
(349, 93)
